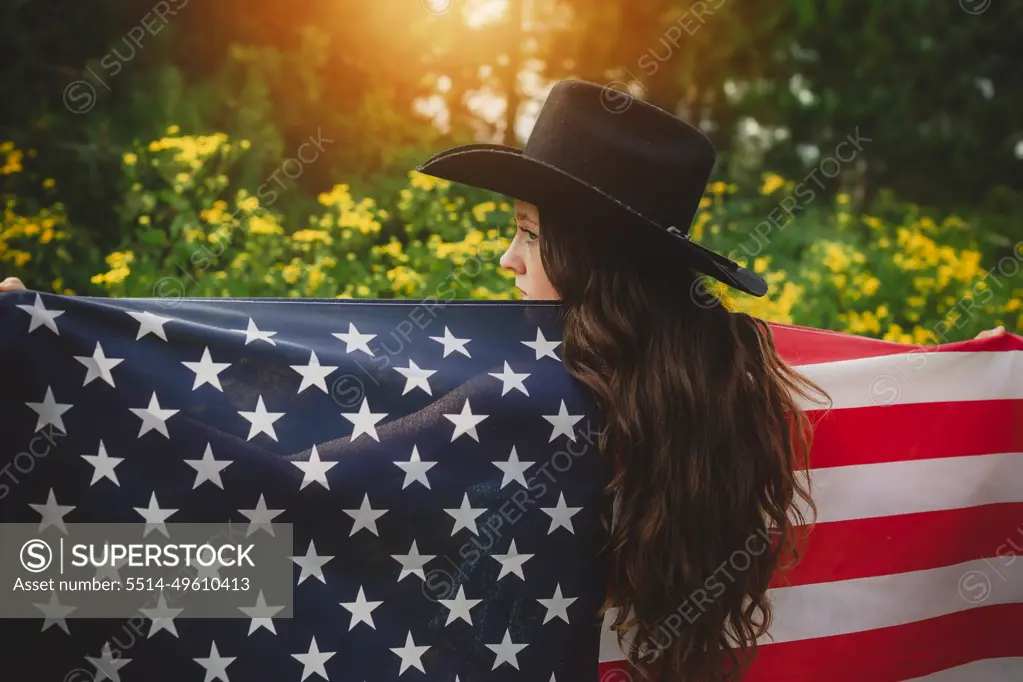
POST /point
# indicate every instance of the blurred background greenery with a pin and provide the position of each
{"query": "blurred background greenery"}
(263, 148)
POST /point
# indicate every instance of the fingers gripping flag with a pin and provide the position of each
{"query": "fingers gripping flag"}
(438, 465)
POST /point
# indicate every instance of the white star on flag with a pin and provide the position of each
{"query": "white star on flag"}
(361, 610)
(465, 422)
(415, 469)
(55, 613)
(311, 564)
(364, 421)
(512, 562)
(561, 515)
(542, 346)
(314, 470)
(215, 664)
(563, 422)
(150, 324)
(162, 617)
(410, 654)
(413, 562)
(313, 373)
(261, 614)
(260, 517)
(416, 377)
(261, 421)
(510, 380)
(207, 371)
(98, 365)
(208, 468)
(365, 517)
(513, 469)
(154, 418)
(155, 517)
(506, 651)
(465, 516)
(103, 465)
(452, 344)
(41, 317)
(313, 661)
(107, 667)
(50, 411)
(459, 607)
(52, 513)
(356, 341)
(254, 333)
(557, 606)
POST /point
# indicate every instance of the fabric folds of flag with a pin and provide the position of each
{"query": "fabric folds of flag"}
(441, 473)
(913, 568)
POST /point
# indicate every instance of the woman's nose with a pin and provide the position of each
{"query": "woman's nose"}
(511, 261)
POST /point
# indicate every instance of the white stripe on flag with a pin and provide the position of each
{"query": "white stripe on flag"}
(864, 491)
(843, 607)
(988, 670)
(918, 378)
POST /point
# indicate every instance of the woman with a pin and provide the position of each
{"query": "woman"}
(700, 413)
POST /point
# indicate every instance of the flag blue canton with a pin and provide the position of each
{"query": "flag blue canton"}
(438, 464)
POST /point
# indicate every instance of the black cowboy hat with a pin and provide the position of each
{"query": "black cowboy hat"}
(630, 160)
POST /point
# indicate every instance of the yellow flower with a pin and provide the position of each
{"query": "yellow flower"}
(771, 184)
(705, 202)
(13, 162)
(49, 183)
(362, 290)
(718, 188)
(480, 211)
(119, 259)
(143, 220)
(871, 285)
(291, 273)
(244, 144)
(760, 265)
(129, 159)
(316, 278)
(312, 235)
(173, 130)
(260, 225)
(842, 198)
(835, 257)
(427, 182)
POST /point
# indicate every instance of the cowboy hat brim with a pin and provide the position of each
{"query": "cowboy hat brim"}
(504, 170)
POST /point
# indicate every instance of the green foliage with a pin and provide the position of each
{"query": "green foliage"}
(187, 229)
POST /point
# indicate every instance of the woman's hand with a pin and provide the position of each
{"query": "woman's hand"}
(11, 284)
(988, 333)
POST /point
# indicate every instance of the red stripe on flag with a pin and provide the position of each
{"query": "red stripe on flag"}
(890, 654)
(846, 550)
(893, 433)
(805, 345)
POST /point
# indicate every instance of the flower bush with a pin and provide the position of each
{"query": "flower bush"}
(188, 229)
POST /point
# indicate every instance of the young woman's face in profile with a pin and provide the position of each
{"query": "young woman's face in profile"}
(523, 256)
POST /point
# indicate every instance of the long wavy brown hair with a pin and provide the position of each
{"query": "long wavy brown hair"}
(708, 443)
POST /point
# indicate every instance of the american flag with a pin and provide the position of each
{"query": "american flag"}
(438, 466)
(913, 569)
(446, 523)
